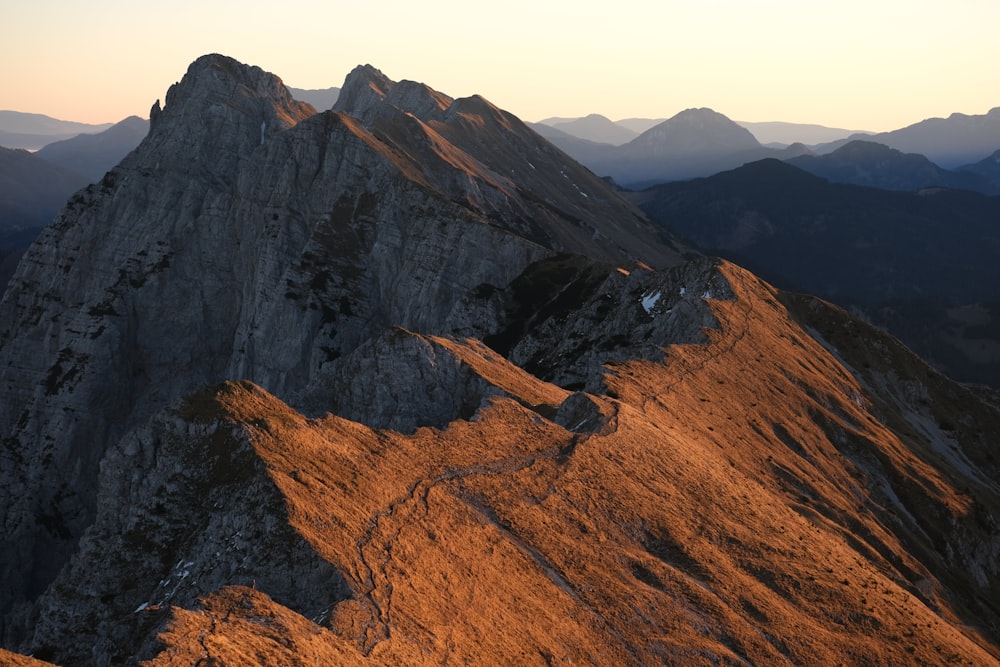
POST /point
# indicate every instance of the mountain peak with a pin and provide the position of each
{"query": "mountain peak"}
(860, 147)
(796, 149)
(214, 75)
(695, 131)
(470, 407)
(702, 118)
(475, 105)
(699, 112)
(222, 109)
(875, 164)
(949, 142)
(595, 127)
(364, 86)
(366, 90)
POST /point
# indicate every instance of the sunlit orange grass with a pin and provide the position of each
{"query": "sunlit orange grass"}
(241, 626)
(699, 525)
(16, 660)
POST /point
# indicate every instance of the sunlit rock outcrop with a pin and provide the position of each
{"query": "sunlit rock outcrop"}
(399, 383)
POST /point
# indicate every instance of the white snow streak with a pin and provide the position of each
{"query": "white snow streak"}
(650, 300)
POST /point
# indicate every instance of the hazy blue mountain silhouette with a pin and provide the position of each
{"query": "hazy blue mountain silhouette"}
(950, 142)
(695, 142)
(34, 187)
(596, 127)
(779, 132)
(33, 130)
(320, 98)
(32, 191)
(699, 142)
(639, 125)
(877, 165)
(912, 262)
(988, 168)
(92, 155)
(769, 133)
(584, 151)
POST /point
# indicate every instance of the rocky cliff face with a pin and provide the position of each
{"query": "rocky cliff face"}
(250, 237)
(746, 495)
(398, 383)
(184, 506)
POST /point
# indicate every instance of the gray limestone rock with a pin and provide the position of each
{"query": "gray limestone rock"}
(577, 325)
(185, 506)
(250, 237)
(401, 380)
(333, 259)
(125, 300)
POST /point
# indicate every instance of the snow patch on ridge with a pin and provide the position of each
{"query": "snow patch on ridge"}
(649, 300)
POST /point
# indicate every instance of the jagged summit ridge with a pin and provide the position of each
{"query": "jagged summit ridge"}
(367, 93)
(220, 111)
(498, 161)
(250, 237)
(213, 78)
(366, 90)
(477, 421)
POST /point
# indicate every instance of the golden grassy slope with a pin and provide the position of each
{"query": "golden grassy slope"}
(728, 513)
(8, 659)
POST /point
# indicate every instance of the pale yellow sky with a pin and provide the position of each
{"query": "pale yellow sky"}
(874, 64)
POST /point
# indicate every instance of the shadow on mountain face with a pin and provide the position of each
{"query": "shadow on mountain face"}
(916, 263)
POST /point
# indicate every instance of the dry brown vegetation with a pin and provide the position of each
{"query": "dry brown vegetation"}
(9, 659)
(745, 478)
(727, 513)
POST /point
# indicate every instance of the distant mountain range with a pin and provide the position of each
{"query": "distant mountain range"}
(917, 263)
(34, 187)
(400, 383)
(700, 142)
(596, 127)
(31, 131)
(321, 99)
(876, 165)
(785, 134)
(91, 155)
(951, 142)
(695, 142)
(32, 191)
